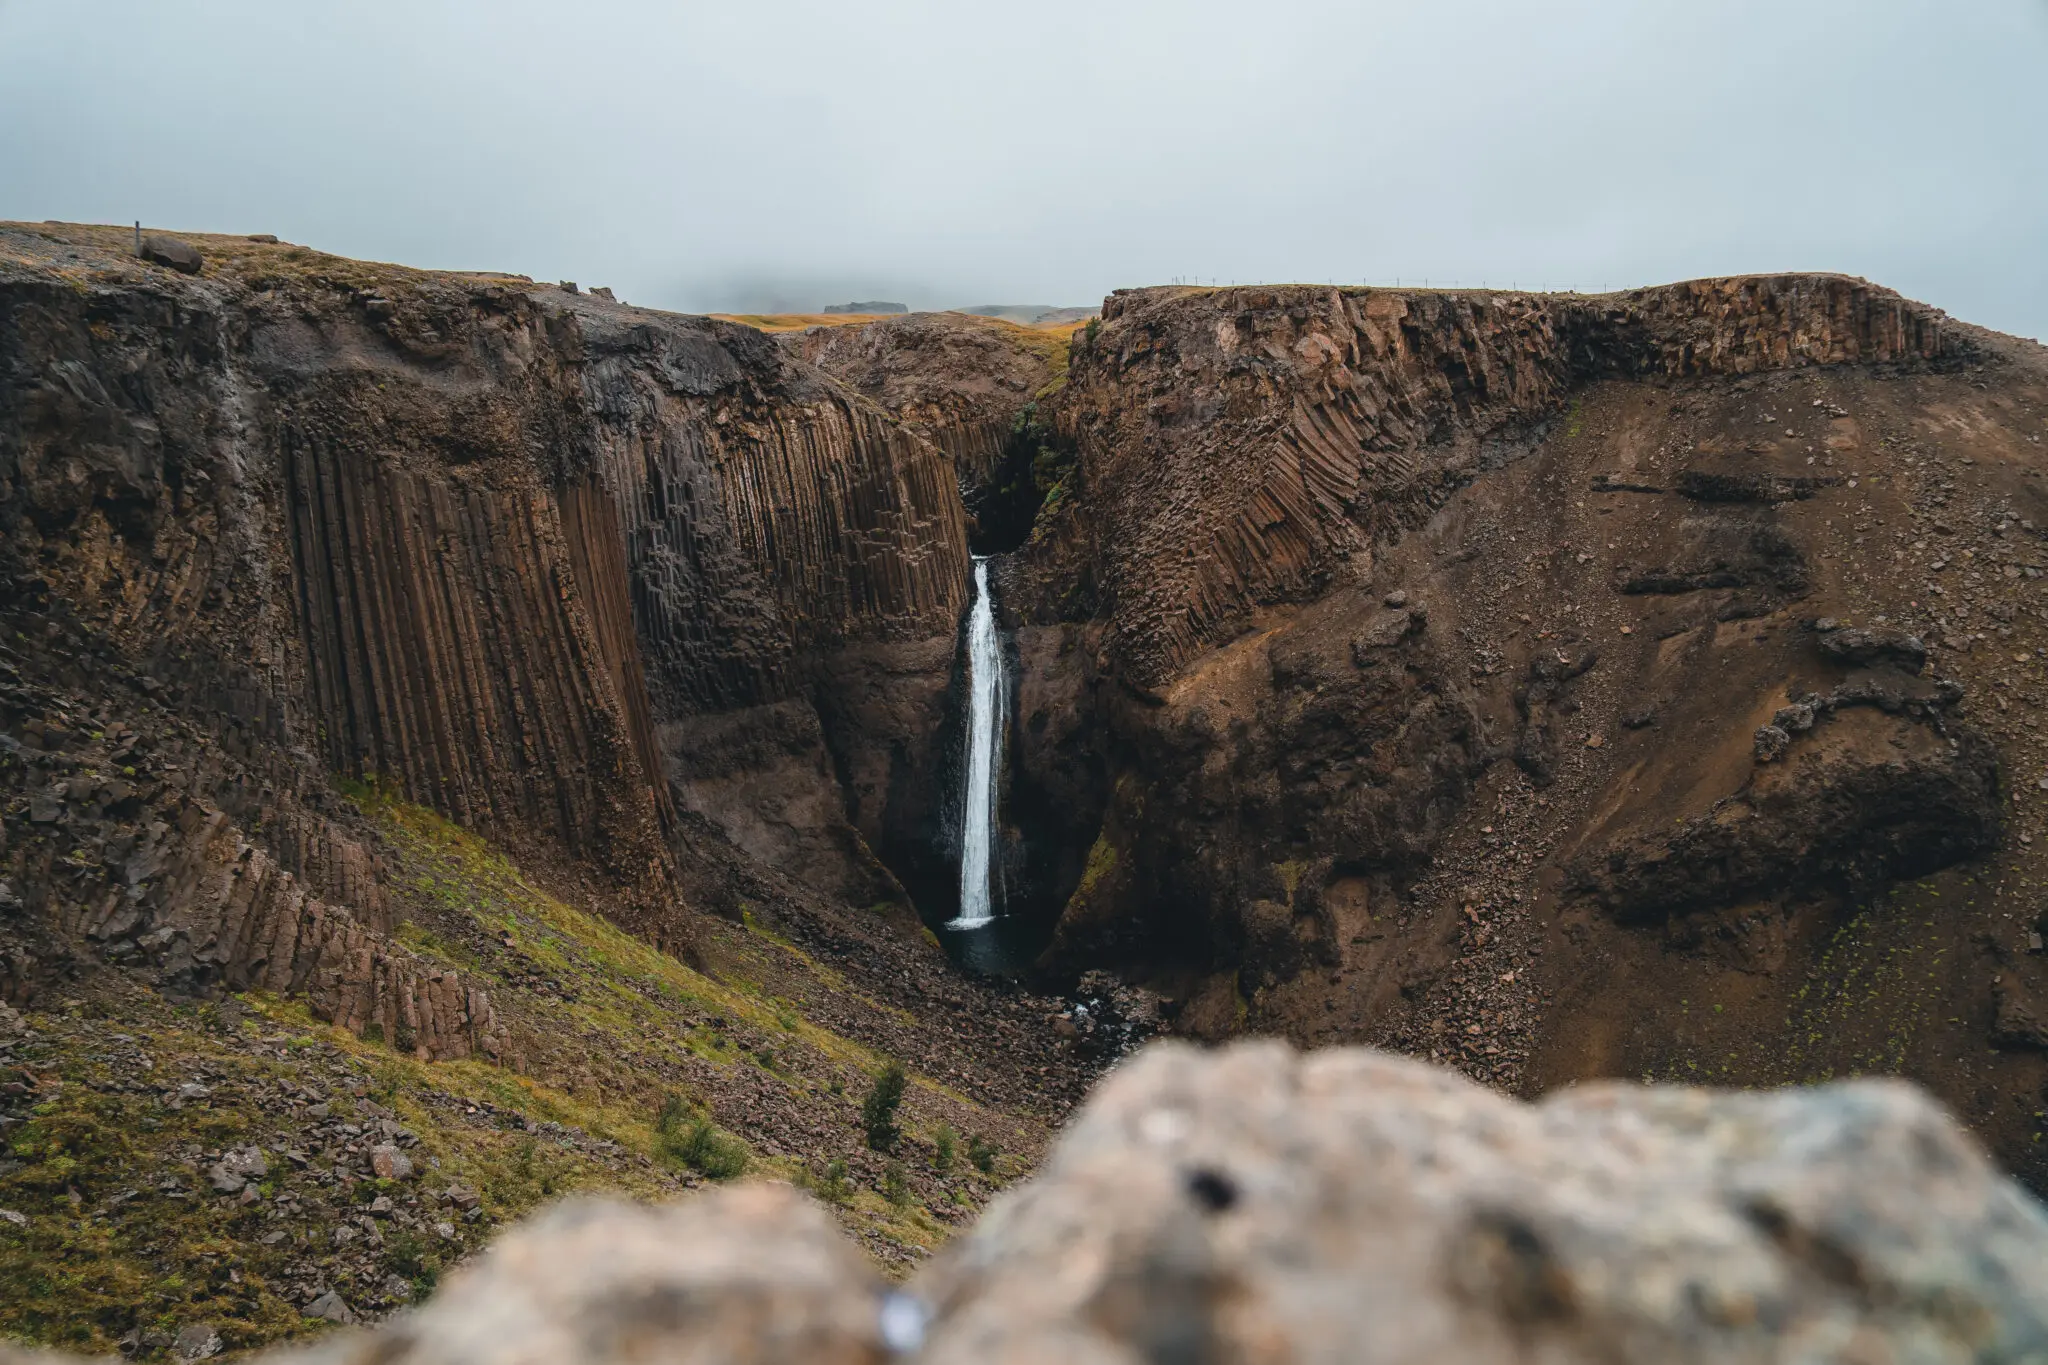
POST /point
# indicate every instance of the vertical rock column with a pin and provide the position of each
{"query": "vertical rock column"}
(453, 649)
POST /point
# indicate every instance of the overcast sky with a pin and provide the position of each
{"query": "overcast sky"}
(754, 154)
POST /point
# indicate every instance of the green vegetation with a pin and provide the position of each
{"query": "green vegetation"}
(982, 1154)
(1869, 1005)
(691, 1139)
(122, 1235)
(415, 1260)
(1574, 419)
(828, 1183)
(944, 1152)
(1101, 863)
(878, 1110)
(631, 1072)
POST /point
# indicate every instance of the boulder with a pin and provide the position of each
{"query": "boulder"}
(1864, 647)
(196, 1341)
(756, 1273)
(390, 1163)
(237, 1169)
(330, 1307)
(2021, 1019)
(179, 255)
(1255, 1204)
(1868, 797)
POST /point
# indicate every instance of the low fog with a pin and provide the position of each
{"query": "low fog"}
(786, 154)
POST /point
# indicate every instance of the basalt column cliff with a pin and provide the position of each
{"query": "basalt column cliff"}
(1558, 685)
(643, 597)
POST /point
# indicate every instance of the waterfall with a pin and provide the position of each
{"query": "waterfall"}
(979, 797)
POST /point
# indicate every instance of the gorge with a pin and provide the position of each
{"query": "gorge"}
(456, 718)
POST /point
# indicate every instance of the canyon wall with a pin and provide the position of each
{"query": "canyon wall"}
(798, 567)
(1247, 447)
(1480, 674)
(968, 384)
(634, 594)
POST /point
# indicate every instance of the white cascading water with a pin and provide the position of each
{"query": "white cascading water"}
(978, 798)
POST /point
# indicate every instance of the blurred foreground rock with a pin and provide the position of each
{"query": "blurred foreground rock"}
(1258, 1205)
(1255, 1204)
(756, 1273)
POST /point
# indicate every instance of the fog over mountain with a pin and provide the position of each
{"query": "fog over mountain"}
(792, 153)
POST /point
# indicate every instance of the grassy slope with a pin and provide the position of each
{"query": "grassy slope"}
(122, 1234)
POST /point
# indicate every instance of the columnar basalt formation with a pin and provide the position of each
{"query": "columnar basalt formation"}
(958, 379)
(791, 552)
(1554, 686)
(215, 910)
(1462, 672)
(1243, 448)
(452, 649)
(316, 498)
(522, 555)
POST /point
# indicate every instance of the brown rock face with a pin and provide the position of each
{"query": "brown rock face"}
(789, 550)
(1562, 686)
(634, 593)
(1243, 448)
(958, 379)
(216, 910)
(315, 510)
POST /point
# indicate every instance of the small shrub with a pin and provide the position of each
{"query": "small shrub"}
(412, 1257)
(895, 1184)
(878, 1110)
(711, 1152)
(388, 1081)
(691, 1139)
(983, 1154)
(830, 1184)
(945, 1148)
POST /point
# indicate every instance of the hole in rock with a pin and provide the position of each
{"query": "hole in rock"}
(1213, 1190)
